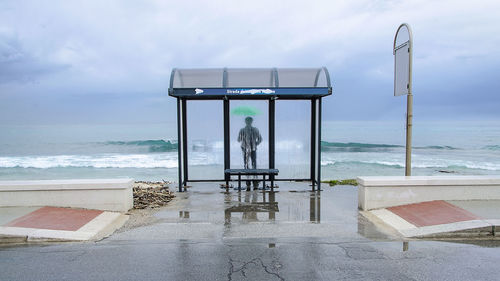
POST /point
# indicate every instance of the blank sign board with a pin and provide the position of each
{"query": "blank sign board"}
(402, 69)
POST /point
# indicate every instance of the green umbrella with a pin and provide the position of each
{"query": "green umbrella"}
(245, 110)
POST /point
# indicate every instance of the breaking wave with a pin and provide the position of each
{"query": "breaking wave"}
(201, 145)
(400, 164)
(356, 147)
(445, 147)
(94, 161)
(157, 160)
(370, 147)
(492, 147)
(152, 145)
(169, 160)
(163, 154)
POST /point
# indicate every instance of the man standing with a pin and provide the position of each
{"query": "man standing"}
(250, 138)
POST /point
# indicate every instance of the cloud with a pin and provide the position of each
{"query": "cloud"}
(128, 48)
(16, 65)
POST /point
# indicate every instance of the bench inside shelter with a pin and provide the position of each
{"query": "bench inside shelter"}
(270, 173)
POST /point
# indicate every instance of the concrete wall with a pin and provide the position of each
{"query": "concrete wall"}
(382, 192)
(100, 194)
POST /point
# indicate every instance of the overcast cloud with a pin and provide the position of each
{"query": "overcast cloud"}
(110, 61)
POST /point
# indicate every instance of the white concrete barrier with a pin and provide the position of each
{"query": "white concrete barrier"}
(382, 192)
(99, 194)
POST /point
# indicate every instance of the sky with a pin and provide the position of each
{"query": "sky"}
(92, 62)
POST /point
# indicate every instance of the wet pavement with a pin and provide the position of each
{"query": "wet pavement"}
(292, 234)
(205, 212)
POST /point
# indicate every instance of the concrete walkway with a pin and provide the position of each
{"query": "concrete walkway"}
(26, 224)
(442, 218)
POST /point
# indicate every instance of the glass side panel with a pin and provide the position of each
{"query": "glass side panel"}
(293, 138)
(205, 139)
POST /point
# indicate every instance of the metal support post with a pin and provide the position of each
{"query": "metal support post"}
(409, 125)
(227, 147)
(319, 144)
(272, 107)
(184, 142)
(313, 143)
(179, 143)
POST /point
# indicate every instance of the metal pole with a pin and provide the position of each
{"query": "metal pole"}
(227, 144)
(409, 104)
(313, 143)
(409, 125)
(179, 143)
(184, 141)
(272, 109)
(319, 144)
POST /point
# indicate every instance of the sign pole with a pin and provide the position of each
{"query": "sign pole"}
(409, 105)
(409, 125)
(403, 54)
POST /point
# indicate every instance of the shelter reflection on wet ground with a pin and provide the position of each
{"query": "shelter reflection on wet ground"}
(250, 204)
(292, 204)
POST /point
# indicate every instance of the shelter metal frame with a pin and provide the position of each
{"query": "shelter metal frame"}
(272, 92)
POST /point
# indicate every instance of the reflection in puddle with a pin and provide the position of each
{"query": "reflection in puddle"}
(184, 214)
(405, 246)
(250, 203)
(315, 207)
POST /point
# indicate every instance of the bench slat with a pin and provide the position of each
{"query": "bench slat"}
(251, 171)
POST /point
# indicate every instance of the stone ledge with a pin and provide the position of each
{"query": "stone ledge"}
(429, 180)
(100, 194)
(69, 184)
(382, 192)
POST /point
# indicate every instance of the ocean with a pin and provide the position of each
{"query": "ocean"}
(149, 151)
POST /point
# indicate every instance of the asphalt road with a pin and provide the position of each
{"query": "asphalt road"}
(251, 259)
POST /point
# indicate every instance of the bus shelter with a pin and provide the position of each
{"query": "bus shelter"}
(267, 84)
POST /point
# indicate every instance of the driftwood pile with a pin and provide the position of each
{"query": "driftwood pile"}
(151, 194)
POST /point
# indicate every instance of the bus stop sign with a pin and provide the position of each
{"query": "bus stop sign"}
(402, 50)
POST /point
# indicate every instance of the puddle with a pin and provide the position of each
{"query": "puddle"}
(405, 246)
(184, 214)
(284, 213)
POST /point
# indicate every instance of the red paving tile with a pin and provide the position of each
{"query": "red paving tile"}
(432, 213)
(56, 218)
